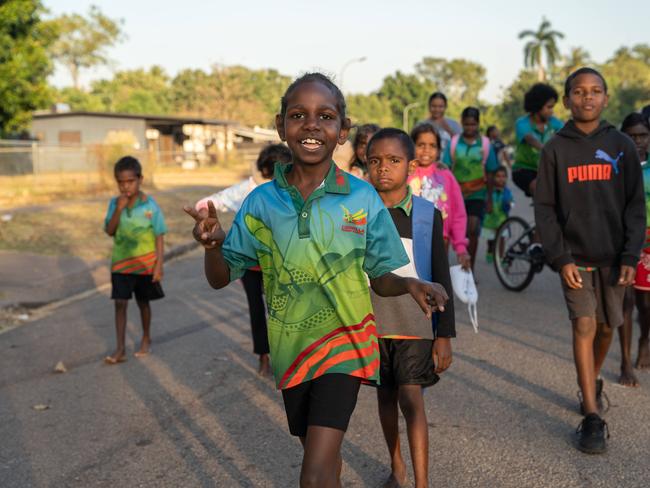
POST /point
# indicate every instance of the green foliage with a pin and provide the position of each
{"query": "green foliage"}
(24, 65)
(399, 90)
(369, 109)
(82, 41)
(628, 78)
(459, 79)
(135, 91)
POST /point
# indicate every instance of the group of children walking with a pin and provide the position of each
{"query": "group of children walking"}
(340, 261)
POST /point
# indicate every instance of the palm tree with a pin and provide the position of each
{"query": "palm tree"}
(577, 58)
(544, 40)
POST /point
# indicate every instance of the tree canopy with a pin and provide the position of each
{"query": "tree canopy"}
(82, 42)
(24, 64)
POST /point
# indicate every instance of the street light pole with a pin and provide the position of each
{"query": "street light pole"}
(405, 115)
(345, 66)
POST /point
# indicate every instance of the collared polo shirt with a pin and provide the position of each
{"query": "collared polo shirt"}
(314, 255)
(134, 245)
(526, 156)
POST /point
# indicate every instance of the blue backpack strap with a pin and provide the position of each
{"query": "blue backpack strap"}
(423, 214)
(423, 211)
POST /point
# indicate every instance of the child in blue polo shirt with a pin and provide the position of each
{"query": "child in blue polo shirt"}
(317, 233)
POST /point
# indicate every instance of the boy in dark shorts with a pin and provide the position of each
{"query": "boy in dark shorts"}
(409, 342)
(137, 225)
(532, 131)
(590, 213)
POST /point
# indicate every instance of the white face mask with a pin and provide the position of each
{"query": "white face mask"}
(464, 287)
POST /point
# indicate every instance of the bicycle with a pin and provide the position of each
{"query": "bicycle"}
(515, 266)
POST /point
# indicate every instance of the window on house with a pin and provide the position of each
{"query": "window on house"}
(69, 137)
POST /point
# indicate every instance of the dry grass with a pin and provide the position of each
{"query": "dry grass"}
(23, 190)
(76, 227)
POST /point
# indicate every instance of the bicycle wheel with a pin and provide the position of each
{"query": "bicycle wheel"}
(512, 263)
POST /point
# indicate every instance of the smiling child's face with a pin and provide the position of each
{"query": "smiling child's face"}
(426, 149)
(312, 125)
(388, 165)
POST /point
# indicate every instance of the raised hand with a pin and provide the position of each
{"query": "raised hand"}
(122, 202)
(207, 229)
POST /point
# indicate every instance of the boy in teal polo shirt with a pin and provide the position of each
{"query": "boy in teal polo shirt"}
(318, 234)
(137, 225)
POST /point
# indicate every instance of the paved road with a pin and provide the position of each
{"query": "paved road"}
(195, 413)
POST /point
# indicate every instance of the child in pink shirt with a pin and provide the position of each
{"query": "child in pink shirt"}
(437, 184)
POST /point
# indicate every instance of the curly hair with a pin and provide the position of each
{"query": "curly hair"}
(538, 96)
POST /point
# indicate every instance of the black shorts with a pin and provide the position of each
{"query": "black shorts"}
(475, 208)
(124, 285)
(523, 177)
(601, 297)
(327, 401)
(406, 362)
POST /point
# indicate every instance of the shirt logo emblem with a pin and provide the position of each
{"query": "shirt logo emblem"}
(148, 214)
(600, 154)
(356, 218)
(354, 222)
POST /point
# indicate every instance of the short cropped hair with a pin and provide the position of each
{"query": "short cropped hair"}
(398, 135)
(128, 163)
(315, 77)
(271, 154)
(582, 71)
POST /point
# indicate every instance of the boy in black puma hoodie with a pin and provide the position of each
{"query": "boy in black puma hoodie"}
(590, 213)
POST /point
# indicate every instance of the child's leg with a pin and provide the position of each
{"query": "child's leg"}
(490, 246)
(120, 329)
(602, 341)
(584, 333)
(411, 402)
(387, 399)
(627, 376)
(473, 231)
(643, 306)
(321, 464)
(145, 317)
(318, 411)
(252, 281)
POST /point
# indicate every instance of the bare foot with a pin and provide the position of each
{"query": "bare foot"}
(145, 348)
(643, 359)
(393, 482)
(265, 365)
(627, 377)
(118, 357)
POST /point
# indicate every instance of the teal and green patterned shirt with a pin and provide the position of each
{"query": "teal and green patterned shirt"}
(134, 247)
(468, 166)
(315, 258)
(526, 156)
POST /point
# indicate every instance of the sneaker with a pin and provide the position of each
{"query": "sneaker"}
(536, 253)
(592, 435)
(602, 400)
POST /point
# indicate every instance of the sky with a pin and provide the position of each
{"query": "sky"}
(298, 36)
